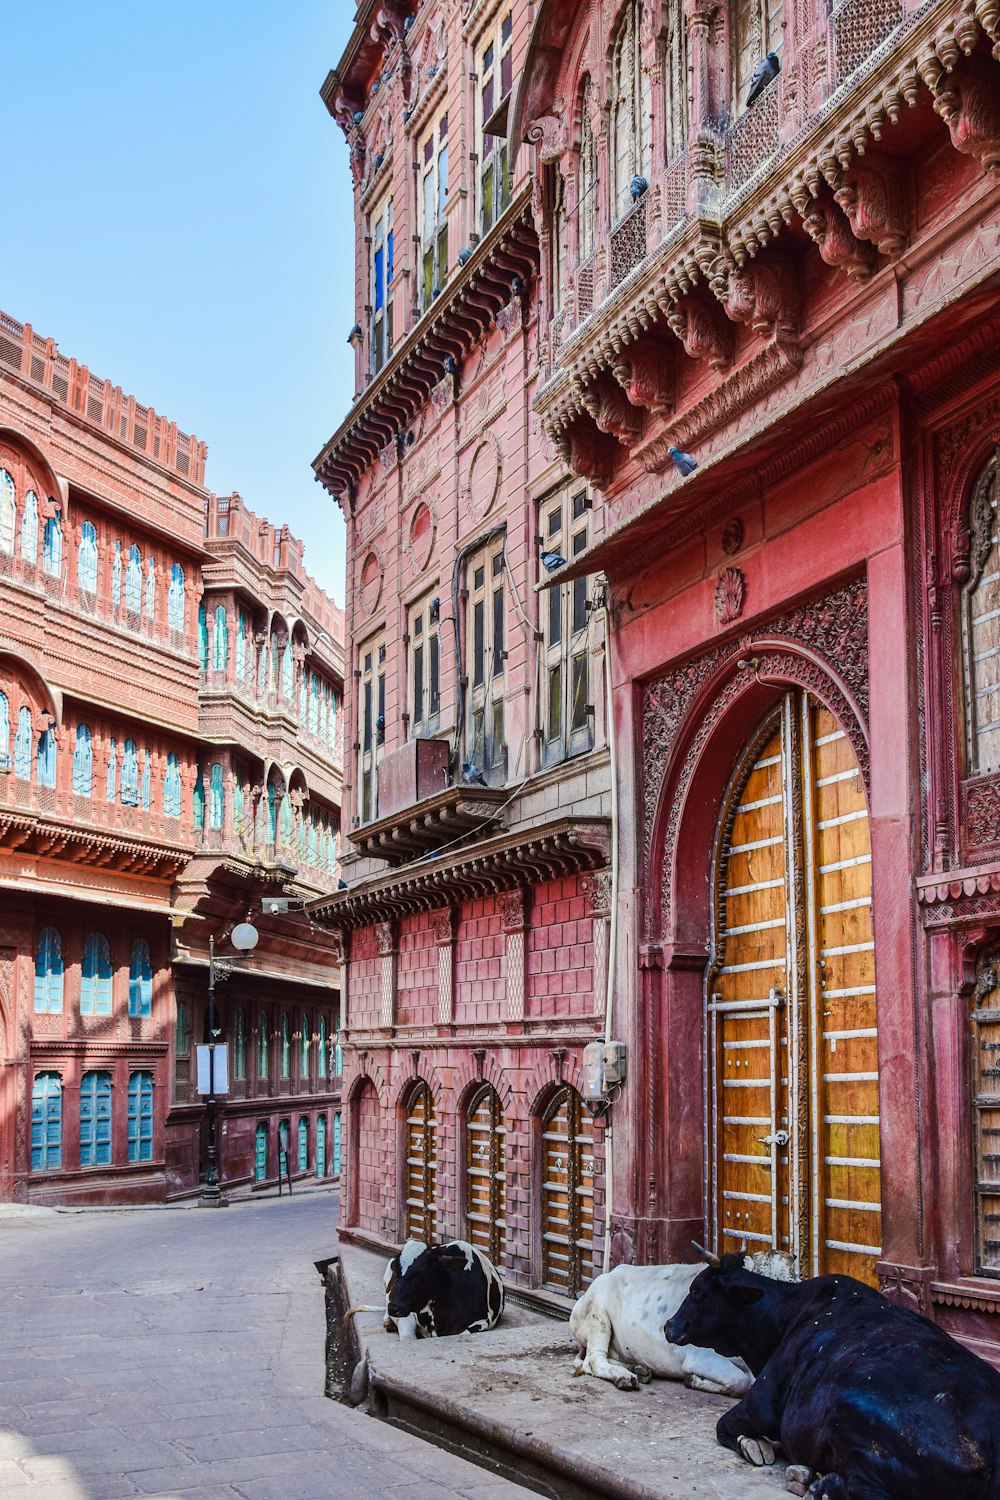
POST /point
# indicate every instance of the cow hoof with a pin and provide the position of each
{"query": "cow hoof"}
(643, 1374)
(798, 1478)
(756, 1451)
(626, 1382)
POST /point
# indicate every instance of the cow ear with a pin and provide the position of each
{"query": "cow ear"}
(746, 1296)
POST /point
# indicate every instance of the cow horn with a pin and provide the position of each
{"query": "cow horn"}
(708, 1256)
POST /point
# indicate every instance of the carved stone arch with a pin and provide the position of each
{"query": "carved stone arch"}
(373, 1073)
(53, 485)
(695, 714)
(559, 49)
(48, 698)
(970, 512)
(548, 1076)
(425, 1072)
(469, 1079)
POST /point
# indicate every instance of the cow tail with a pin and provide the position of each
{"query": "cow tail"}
(359, 1307)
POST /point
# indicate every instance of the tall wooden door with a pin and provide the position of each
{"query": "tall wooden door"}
(421, 1165)
(486, 1176)
(567, 1194)
(791, 1012)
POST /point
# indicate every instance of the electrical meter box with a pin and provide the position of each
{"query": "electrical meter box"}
(593, 1071)
(614, 1064)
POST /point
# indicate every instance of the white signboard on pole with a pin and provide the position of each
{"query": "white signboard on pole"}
(213, 1068)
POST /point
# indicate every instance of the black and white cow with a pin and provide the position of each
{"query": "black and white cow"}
(433, 1291)
(874, 1400)
(618, 1324)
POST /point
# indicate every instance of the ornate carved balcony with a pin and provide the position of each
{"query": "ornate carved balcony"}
(424, 826)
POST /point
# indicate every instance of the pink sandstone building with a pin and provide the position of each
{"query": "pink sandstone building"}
(583, 251)
(170, 691)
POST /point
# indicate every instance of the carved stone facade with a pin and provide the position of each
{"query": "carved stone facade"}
(158, 646)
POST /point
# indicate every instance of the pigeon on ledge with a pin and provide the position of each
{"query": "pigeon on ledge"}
(769, 68)
(472, 775)
(552, 560)
(683, 462)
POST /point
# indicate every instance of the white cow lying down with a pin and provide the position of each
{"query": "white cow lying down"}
(623, 1313)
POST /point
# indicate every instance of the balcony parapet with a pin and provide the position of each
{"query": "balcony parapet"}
(58, 832)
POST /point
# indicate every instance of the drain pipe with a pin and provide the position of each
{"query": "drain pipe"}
(613, 924)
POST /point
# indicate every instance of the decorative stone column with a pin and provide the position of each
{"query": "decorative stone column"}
(389, 954)
(443, 926)
(514, 921)
(598, 889)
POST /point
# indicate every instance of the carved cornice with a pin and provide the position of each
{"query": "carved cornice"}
(29, 833)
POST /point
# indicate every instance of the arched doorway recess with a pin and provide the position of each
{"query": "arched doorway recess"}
(790, 1015)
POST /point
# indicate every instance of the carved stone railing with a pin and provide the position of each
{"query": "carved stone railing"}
(628, 242)
(859, 26)
(585, 290)
(753, 139)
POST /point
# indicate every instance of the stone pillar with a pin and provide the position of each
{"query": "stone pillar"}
(514, 921)
(443, 925)
(598, 889)
(389, 953)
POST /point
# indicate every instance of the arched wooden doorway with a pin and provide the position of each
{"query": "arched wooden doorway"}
(791, 1010)
(486, 1174)
(567, 1194)
(421, 1164)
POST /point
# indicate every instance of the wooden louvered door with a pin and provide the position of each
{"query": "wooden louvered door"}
(567, 1194)
(792, 1044)
(485, 1176)
(421, 1165)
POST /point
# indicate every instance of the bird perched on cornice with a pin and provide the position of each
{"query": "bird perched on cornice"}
(552, 560)
(683, 462)
(472, 775)
(765, 70)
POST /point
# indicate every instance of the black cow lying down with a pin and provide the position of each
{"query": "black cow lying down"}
(438, 1290)
(880, 1403)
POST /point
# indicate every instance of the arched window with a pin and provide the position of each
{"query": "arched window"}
(286, 819)
(130, 775)
(321, 1145)
(220, 639)
(676, 84)
(23, 743)
(272, 814)
(420, 1164)
(587, 211)
(303, 1144)
(304, 1039)
(338, 1057)
(48, 973)
(46, 759)
(216, 797)
(29, 530)
(981, 626)
(335, 1154)
(182, 1033)
(486, 1175)
(96, 976)
(172, 787)
(240, 1044)
(199, 800)
(46, 1123)
(52, 546)
(133, 580)
(95, 1120)
(260, 1153)
(111, 775)
(241, 646)
(630, 110)
(146, 793)
(322, 1053)
(304, 697)
(313, 838)
(83, 762)
(286, 1048)
(4, 732)
(151, 590)
(313, 703)
(288, 670)
(116, 578)
(275, 669)
(140, 1117)
(175, 599)
(86, 559)
(140, 980)
(202, 637)
(8, 514)
(262, 1059)
(238, 827)
(756, 28)
(567, 1194)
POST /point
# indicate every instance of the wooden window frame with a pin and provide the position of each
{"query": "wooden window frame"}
(423, 659)
(485, 663)
(371, 737)
(567, 707)
(432, 192)
(381, 236)
(494, 65)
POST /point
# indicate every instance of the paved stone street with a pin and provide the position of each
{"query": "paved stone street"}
(179, 1353)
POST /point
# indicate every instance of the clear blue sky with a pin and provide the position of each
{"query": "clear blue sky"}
(179, 218)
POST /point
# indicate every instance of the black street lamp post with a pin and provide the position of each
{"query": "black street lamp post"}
(243, 937)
